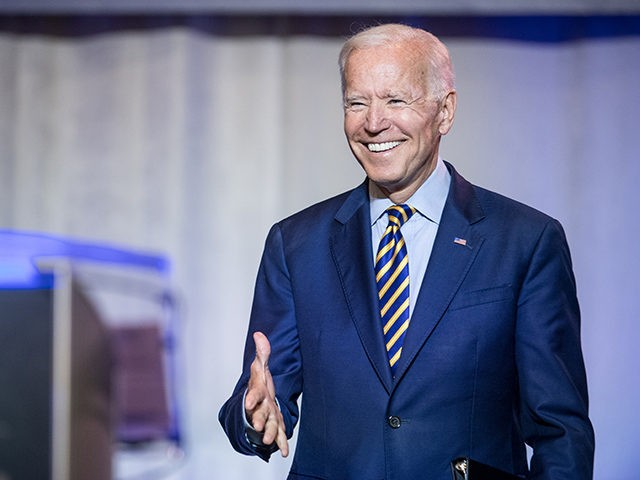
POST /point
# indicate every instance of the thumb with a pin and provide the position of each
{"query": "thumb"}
(263, 351)
(263, 348)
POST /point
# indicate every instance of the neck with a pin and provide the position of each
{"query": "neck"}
(402, 193)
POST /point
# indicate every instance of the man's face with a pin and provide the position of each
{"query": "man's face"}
(392, 124)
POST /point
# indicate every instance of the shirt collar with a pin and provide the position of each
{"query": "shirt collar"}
(428, 200)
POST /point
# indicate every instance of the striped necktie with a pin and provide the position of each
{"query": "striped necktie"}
(392, 278)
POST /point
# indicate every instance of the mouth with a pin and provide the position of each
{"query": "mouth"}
(382, 147)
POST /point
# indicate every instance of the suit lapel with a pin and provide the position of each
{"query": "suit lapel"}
(351, 252)
(454, 250)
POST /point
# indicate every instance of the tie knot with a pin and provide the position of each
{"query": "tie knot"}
(399, 214)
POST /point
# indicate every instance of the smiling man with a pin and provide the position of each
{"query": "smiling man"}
(422, 317)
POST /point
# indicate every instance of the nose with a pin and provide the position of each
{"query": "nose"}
(377, 119)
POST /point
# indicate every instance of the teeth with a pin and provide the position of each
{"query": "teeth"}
(381, 147)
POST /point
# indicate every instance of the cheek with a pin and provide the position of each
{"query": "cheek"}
(351, 124)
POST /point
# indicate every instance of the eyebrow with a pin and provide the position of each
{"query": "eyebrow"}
(389, 94)
(352, 98)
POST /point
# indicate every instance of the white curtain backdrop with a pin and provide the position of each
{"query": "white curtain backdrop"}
(191, 144)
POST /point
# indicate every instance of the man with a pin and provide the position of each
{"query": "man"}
(446, 326)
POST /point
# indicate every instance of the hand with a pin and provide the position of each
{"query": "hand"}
(260, 400)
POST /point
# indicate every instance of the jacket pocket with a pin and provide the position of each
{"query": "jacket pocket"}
(472, 298)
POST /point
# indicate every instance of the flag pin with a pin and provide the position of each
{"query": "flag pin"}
(460, 241)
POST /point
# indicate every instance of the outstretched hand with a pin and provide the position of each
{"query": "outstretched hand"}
(260, 400)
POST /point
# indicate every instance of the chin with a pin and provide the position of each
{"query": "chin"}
(384, 178)
(387, 185)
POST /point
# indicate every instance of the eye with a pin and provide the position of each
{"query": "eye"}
(397, 101)
(354, 105)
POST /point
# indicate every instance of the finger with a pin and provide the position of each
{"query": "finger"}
(270, 430)
(283, 444)
(274, 428)
(259, 418)
(281, 439)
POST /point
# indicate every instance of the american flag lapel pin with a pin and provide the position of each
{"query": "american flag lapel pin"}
(460, 241)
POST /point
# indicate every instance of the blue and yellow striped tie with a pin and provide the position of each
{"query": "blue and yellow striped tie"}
(392, 278)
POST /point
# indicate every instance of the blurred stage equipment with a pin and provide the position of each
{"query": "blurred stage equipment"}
(87, 357)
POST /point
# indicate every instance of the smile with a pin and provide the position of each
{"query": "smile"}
(382, 147)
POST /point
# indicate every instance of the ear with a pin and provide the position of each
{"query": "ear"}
(447, 112)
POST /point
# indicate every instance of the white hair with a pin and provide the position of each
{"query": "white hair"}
(440, 77)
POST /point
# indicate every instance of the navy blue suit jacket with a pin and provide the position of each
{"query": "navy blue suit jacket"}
(491, 360)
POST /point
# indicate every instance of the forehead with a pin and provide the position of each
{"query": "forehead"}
(395, 67)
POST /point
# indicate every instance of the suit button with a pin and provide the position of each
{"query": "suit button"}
(393, 421)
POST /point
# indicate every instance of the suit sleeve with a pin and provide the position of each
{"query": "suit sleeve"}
(551, 373)
(272, 313)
